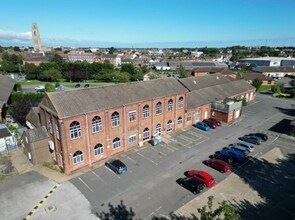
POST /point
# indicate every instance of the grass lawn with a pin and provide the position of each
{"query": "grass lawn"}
(264, 87)
(30, 82)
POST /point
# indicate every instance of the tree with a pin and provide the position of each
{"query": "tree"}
(257, 83)
(20, 109)
(119, 212)
(112, 50)
(32, 71)
(277, 88)
(51, 75)
(121, 77)
(56, 59)
(224, 210)
(182, 72)
(16, 49)
(49, 87)
(144, 68)
(292, 93)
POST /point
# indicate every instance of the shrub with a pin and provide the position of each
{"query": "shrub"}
(52, 165)
(49, 87)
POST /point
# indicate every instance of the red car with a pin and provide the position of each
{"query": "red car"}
(210, 123)
(218, 164)
(203, 177)
(217, 122)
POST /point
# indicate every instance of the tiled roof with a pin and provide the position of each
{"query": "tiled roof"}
(254, 75)
(36, 134)
(109, 56)
(41, 59)
(274, 69)
(76, 102)
(196, 83)
(4, 132)
(6, 87)
(208, 95)
(33, 116)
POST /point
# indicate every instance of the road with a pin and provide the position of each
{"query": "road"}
(149, 186)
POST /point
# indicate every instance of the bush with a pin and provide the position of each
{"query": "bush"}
(49, 87)
(57, 84)
(52, 165)
(18, 87)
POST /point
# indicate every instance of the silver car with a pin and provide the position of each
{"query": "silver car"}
(243, 146)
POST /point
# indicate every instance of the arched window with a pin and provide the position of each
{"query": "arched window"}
(115, 119)
(158, 108)
(189, 117)
(75, 130)
(170, 105)
(146, 134)
(116, 143)
(179, 120)
(158, 129)
(98, 149)
(96, 124)
(146, 111)
(169, 126)
(78, 157)
(180, 102)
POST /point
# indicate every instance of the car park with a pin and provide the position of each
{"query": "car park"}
(191, 184)
(251, 139)
(77, 85)
(116, 165)
(218, 164)
(211, 124)
(203, 177)
(217, 122)
(261, 135)
(202, 126)
(235, 154)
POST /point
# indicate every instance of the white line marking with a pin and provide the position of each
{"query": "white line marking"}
(273, 140)
(159, 152)
(85, 184)
(165, 216)
(147, 158)
(95, 174)
(172, 149)
(153, 212)
(131, 159)
(112, 172)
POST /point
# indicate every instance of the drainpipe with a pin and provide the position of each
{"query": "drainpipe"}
(88, 139)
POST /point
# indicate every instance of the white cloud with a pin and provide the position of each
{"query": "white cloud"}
(15, 37)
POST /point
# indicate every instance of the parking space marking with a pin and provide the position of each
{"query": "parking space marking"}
(273, 140)
(169, 147)
(153, 213)
(186, 138)
(112, 172)
(158, 151)
(85, 184)
(131, 159)
(101, 179)
(147, 158)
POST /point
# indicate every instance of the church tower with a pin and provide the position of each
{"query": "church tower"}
(36, 38)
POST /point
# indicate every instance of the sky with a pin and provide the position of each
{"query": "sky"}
(149, 23)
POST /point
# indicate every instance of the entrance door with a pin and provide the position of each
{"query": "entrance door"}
(197, 116)
(237, 114)
(158, 129)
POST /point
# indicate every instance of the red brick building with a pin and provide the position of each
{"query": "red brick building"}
(88, 125)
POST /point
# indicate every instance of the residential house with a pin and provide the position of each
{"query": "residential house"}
(6, 88)
(250, 76)
(114, 59)
(275, 71)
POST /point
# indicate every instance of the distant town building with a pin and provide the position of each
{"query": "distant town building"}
(36, 60)
(275, 71)
(74, 56)
(250, 76)
(36, 38)
(114, 59)
(201, 71)
(269, 61)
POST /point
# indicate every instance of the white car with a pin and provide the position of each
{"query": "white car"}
(243, 146)
(40, 88)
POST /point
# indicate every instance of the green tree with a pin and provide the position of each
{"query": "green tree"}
(292, 93)
(57, 59)
(224, 210)
(182, 72)
(112, 50)
(257, 83)
(16, 49)
(32, 71)
(49, 87)
(144, 68)
(120, 77)
(277, 88)
(51, 75)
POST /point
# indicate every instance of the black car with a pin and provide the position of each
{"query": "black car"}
(251, 139)
(86, 86)
(219, 156)
(77, 85)
(191, 184)
(261, 135)
(116, 165)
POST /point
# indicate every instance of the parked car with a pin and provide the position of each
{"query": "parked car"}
(251, 139)
(211, 124)
(59, 88)
(245, 145)
(40, 88)
(218, 164)
(227, 159)
(239, 148)
(202, 126)
(217, 122)
(261, 135)
(116, 165)
(191, 184)
(77, 85)
(203, 177)
(235, 154)
(86, 86)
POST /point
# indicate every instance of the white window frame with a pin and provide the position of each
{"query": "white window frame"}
(169, 126)
(78, 158)
(96, 124)
(146, 111)
(189, 117)
(159, 108)
(146, 134)
(170, 105)
(132, 116)
(98, 150)
(132, 139)
(179, 120)
(180, 102)
(75, 130)
(116, 143)
(115, 119)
